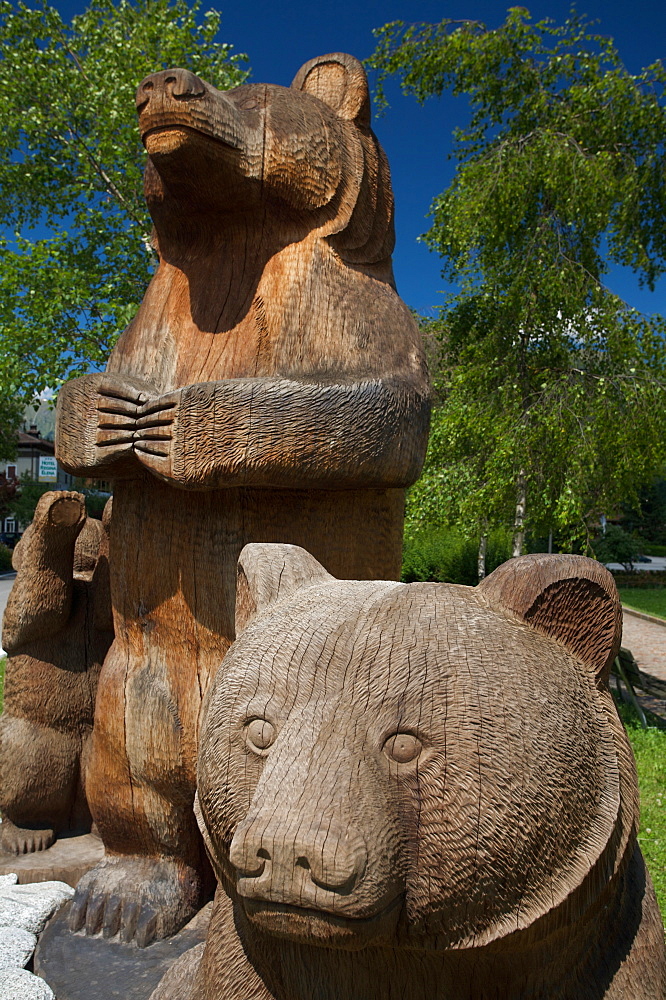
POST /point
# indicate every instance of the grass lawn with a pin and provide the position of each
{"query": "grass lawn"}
(651, 601)
(649, 746)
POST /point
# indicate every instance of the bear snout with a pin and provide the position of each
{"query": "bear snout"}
(175, 84)
(315, 867)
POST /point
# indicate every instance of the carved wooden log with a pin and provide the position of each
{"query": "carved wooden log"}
(422, 791)
(57, 630)
(272, 387)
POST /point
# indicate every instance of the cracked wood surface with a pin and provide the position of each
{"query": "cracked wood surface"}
(272, 388)
(421, 791)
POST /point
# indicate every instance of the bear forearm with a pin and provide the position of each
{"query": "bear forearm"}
(282, 432)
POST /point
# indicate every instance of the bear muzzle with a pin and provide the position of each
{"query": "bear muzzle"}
(318, 867)
(312, 881)
(170, 84)
(178, 101)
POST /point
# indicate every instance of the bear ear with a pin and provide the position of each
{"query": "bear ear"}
(267, 573)
(569, 598)
(341, 82)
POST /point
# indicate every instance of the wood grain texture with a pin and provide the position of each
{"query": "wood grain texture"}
(413, 791)
(57, 629)
(271, 388)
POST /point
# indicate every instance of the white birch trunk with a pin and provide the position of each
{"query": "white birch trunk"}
(519, 522)
(481, 559)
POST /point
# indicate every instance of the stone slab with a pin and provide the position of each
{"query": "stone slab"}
(19, 984)
(66, 861)
(77, 967)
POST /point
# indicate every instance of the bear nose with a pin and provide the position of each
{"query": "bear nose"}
(179, 84)
(273, 864)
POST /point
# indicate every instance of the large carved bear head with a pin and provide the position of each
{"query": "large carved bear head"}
(427, 764)
(305, 153)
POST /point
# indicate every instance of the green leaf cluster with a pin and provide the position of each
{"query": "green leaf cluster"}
(71, 161)
(27, 497)
(444, 555)
(617, 546)
(545, 377)
(581, 415)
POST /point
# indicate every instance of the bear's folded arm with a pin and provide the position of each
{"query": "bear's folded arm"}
(296, 433)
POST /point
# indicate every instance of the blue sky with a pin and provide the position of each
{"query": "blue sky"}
(279, 37)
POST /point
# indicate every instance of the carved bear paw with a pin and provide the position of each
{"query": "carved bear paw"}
(139, 899)
(24, 840)
(63, 509)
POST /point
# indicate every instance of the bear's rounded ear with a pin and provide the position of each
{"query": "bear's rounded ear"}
(341, 82)
(268, 572)
(569, 598)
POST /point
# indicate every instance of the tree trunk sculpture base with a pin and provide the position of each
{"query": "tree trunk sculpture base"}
(66, 861)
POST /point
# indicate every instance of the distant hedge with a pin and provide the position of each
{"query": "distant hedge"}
(642, 578)
(443, 555)
(649, 549)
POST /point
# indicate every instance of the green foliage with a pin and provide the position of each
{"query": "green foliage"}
(446, 556)
(5, 558)
(11, 414)
(27, 497)
(649, 549)
(544, 375)
(649, 746)
(648, 517)
(617, 546)
(71, 159)
(652, 601)
(8, 490)
(95, 502)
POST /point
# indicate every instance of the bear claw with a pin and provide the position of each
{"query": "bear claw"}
(135, 899)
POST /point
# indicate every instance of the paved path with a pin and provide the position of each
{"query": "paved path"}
(647, 641)
(657, 564)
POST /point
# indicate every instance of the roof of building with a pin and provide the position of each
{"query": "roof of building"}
(33, 442)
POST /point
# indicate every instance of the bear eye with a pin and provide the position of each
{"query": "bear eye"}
(250, 104)
(259, 734)
(403, 747)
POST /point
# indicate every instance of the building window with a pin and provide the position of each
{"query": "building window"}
(10, 526)
(11, 472)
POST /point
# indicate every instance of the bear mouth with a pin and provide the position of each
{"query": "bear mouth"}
(176, 133)
(318, 927)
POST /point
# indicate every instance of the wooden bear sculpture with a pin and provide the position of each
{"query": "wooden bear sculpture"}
(271, 388)
(421, 792)
(57, 630)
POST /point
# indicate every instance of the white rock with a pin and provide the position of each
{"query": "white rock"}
(16, 947)
(18, 984)
(30, 906)
(9, 879)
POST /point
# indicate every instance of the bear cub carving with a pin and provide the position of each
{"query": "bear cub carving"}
(57, 630)
(421, 791)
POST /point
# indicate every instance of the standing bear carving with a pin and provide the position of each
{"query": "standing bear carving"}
(271, 388)
(57, 630)
(421, 792)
